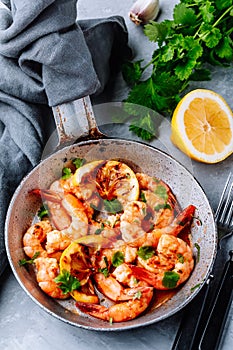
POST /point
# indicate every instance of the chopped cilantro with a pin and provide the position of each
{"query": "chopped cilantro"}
(195, 287)
(162, 206)
(113, 206)
(43, 211)
(78, 162)
(143, 197)
(99, 230)
(180, 258)
(196, 245)
(118, 258)
(104, 270)
(66, 282)
(24, 262)
(66, 173)
(170, 279)
(137, 295)
(161, 192)
(146, 252)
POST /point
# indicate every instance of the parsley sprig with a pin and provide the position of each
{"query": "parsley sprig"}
(66, 282)
(200, 32)
(23, 262)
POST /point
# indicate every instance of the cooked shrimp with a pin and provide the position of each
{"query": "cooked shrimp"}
(120, 312)
(132, 220)
(68, 213)
(182, 222)
(103, 258)
(35, 237)
(46, 270)
(174, 259)
(162, 213)
(79, 223)
(56, 241)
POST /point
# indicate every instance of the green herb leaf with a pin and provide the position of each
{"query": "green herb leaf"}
(132, 72)
(137, 295)
(143, 197)
(26, 262)
(118, 258)
(180, 258)
(161, 192)
(113, 206)
(146, 252)
(66, 173)
(78, 162)
(104, 270)
(66, 282)
(196, 245)
(99, 230)
(170, 279)
(195, 287)
(162, 206)
(43, 211)
(184, 15)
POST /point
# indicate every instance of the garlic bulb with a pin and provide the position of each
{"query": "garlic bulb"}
(144, 11)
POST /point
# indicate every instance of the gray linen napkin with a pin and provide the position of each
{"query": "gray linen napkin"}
(46, 58)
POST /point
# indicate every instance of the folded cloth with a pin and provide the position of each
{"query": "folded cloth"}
(46, 59)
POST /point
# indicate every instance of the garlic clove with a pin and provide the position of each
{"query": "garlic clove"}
(144, 11)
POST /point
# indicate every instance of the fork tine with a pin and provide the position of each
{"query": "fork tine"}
(229, 217)
(222, 203)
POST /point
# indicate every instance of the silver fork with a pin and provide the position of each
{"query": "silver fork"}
(208, 324)
(218, 311)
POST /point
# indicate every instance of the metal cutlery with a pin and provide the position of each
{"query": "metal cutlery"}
(202, 327)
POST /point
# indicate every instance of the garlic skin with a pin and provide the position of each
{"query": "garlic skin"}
(144, 11)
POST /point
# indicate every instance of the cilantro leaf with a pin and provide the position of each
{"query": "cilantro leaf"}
(118, 258)
(132, 72)
(143, 127)
(146, 252)
(158, 31)
(161, 192)
(26, 262)
(104, 270)
(170, 279)
(113, 206)
(66, 173)
(66, 282)
(78, 162)
(184, 15)
(224, 49)
(43, 211)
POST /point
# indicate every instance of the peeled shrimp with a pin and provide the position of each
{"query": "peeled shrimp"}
(173, 256)
(56, 241)
(131, 221)
(34, 238)
(46, 270)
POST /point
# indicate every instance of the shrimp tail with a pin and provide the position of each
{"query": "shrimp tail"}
(120, 312)
(183, 220)
(47, 195)
(95, 310)
(144, 275)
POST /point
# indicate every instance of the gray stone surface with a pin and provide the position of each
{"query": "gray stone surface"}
(23, 324)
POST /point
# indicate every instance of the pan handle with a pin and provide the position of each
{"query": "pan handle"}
(75, 121)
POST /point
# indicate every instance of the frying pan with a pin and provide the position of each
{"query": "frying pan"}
(93, 145)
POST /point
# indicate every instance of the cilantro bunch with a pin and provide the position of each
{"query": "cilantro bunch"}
(199, 33)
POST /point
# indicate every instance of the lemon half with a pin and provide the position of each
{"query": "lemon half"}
(202, 126)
